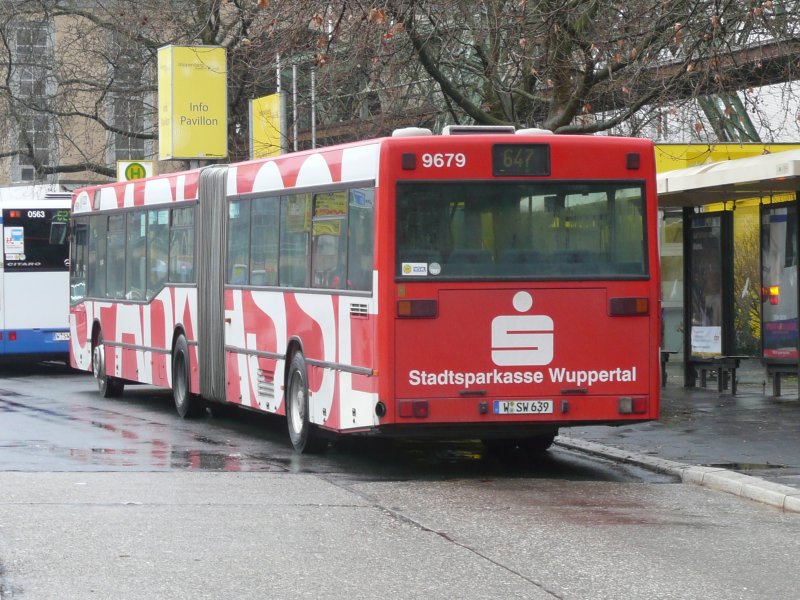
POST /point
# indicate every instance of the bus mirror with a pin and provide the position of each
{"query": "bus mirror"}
(58, 233)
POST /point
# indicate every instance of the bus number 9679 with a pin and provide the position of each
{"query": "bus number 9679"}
(442, 160)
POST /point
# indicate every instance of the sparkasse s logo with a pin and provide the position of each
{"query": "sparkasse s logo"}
(522, 340)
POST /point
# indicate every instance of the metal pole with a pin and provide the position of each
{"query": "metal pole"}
(294, 105)
(313, 107)
(278, 71)
(282, 107)
(688, 369)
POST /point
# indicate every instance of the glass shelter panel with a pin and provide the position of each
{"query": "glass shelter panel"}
(672, 281)
(706, 286)
(779, 282)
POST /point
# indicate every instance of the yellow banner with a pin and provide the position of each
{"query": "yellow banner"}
(265, 126)
(192, 102)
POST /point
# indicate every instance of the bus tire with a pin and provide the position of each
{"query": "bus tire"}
(108, 386)
(187, 404)
(302, 433)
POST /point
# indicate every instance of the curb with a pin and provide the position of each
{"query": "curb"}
(746, 486)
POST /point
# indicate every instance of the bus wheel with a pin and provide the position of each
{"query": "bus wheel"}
(187, 404)
(304, 437)
(109, 387)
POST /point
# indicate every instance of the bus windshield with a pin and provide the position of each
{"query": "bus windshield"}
(499, 230)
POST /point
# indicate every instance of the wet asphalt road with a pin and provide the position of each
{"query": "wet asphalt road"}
(54, 420)
(122, 499)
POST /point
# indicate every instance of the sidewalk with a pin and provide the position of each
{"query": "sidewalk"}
(735, 443)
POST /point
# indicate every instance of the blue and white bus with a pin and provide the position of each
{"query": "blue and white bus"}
(34, 275)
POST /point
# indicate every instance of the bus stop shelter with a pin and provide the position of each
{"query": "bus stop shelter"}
(707, 195)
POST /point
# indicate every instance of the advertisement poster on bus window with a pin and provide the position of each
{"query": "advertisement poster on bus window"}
(329, 212)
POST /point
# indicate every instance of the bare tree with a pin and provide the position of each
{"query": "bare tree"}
(94, 82)
(587, 66)
(579, 66)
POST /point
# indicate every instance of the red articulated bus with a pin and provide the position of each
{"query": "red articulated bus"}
(484, 283)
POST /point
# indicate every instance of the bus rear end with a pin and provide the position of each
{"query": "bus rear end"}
(524, 285)
(34, 278)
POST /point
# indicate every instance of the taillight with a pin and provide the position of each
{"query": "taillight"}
(774, 294)
(417, 309)
(627, 307)
(632, 405)
(12, 336)
(417, 409)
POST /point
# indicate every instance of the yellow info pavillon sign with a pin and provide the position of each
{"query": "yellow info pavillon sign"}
(192, 102)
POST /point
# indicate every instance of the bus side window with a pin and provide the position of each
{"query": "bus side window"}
(295, 221)
(78, 259)
(181, 245)
(238, 259)
(329, 249)
(360, 239)
(115, 263)
(96, 268)
(264, 241)
(136, 262)
(157, 250)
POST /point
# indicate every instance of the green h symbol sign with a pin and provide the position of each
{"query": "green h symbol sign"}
(135, 171)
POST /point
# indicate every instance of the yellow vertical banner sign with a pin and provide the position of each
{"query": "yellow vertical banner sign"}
(265, 126)
(192, 102)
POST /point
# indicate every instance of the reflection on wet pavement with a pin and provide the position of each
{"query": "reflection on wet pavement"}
(54, 420)
(142, 433)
